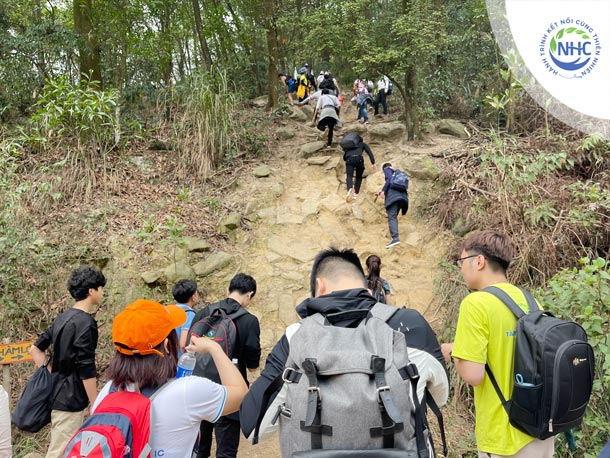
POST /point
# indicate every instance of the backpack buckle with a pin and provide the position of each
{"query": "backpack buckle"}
(291, 375)
(379, 390)
(316, 388)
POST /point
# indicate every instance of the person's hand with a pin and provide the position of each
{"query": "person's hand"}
(202, 345)
(374, 167)
(446, 351)
(381, 194)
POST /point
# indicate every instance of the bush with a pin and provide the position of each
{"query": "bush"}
(583, 295)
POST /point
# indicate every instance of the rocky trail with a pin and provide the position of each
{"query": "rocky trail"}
(300, 208)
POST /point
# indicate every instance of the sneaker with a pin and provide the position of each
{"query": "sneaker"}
(392, 243)
(355, 196)
(360, 121)
(348, 197)
(324, 135)
(366, 122)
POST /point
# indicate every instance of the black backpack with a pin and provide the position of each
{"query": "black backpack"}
(351, 140)
(400, 181)
(553, 371)
(220, 326)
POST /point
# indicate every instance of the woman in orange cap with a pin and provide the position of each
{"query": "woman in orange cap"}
(146, 359)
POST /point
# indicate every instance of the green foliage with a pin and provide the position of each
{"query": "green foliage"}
(82, 112)
(583, 295)
(206, 128)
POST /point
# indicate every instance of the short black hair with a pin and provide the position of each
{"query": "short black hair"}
(83, 279)
(325, 91)
(243, 284)
(386, 165)
(333, 261)
(183, 290)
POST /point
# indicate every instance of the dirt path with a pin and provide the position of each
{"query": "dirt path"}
(301, 209)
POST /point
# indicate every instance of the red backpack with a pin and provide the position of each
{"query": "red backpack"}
(119, 428)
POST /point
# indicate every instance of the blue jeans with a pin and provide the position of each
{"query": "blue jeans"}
(392, 212)
(362, 113)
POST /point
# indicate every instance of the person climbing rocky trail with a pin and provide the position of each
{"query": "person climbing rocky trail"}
(300, 209)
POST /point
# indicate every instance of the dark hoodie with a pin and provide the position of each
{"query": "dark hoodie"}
(411, 323)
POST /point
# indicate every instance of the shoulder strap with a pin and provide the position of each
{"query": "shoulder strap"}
(518, 312)
(383, 311)
(147, 448)
(510, 303)
(439, 416)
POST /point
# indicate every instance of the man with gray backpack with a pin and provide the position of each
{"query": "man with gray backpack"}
(353, 378)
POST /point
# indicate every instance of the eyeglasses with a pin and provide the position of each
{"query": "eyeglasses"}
(458, 262)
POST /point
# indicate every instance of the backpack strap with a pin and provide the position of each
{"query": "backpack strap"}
(313, 417)
(439, 416)
(383, 311)
(151, 396)
(410, 372)
(518, 312)
(390, 416)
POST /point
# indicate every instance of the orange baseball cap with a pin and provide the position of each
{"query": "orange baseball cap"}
(143, 325)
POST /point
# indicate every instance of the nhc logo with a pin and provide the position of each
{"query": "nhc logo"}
(570, 49)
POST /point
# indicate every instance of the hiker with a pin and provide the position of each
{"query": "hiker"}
(328, 108)
(395, 201)
(338, 285)
(73, 335)
(362, 99)
(312, 79)
(382, 87)
(485, 336)
(186, 297)
(246, 356)
(303, 87)
(6, 449)
(353, 145)
(320, 77)
(145, 360)
(290, 85)
(328, 83)
(379, 287)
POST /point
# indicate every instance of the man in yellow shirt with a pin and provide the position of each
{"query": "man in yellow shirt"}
(485, 334)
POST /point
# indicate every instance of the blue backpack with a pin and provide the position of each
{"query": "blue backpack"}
(291, 83)
(400, 181)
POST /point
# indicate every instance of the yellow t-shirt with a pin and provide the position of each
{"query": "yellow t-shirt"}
(486, 334)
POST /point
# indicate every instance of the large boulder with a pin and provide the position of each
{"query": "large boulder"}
(178, 271)
(360, 129)
(153, 276)
(310, 149)
(308, 110)
(387, 131)
(214, 262)
(285, 133)
(298, 115)
(453, 128)
(421, 167)
(318, 160)
(259, 102)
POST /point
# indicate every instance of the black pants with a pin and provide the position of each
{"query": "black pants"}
(227, 438)
(329, 122)
(349, 169)
(381, 97)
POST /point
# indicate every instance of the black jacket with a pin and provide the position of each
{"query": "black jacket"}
(74, 336)
(248, 334)
(411, 323)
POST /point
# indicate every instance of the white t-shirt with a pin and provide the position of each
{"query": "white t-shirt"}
(177, 412)
(6, 450)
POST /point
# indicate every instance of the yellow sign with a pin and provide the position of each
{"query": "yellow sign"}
(15, 352)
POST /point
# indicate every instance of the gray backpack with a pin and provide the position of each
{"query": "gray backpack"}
(351, 391)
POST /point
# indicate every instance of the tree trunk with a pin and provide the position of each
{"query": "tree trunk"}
(272, 51)
(89, 52)
(206, 57)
